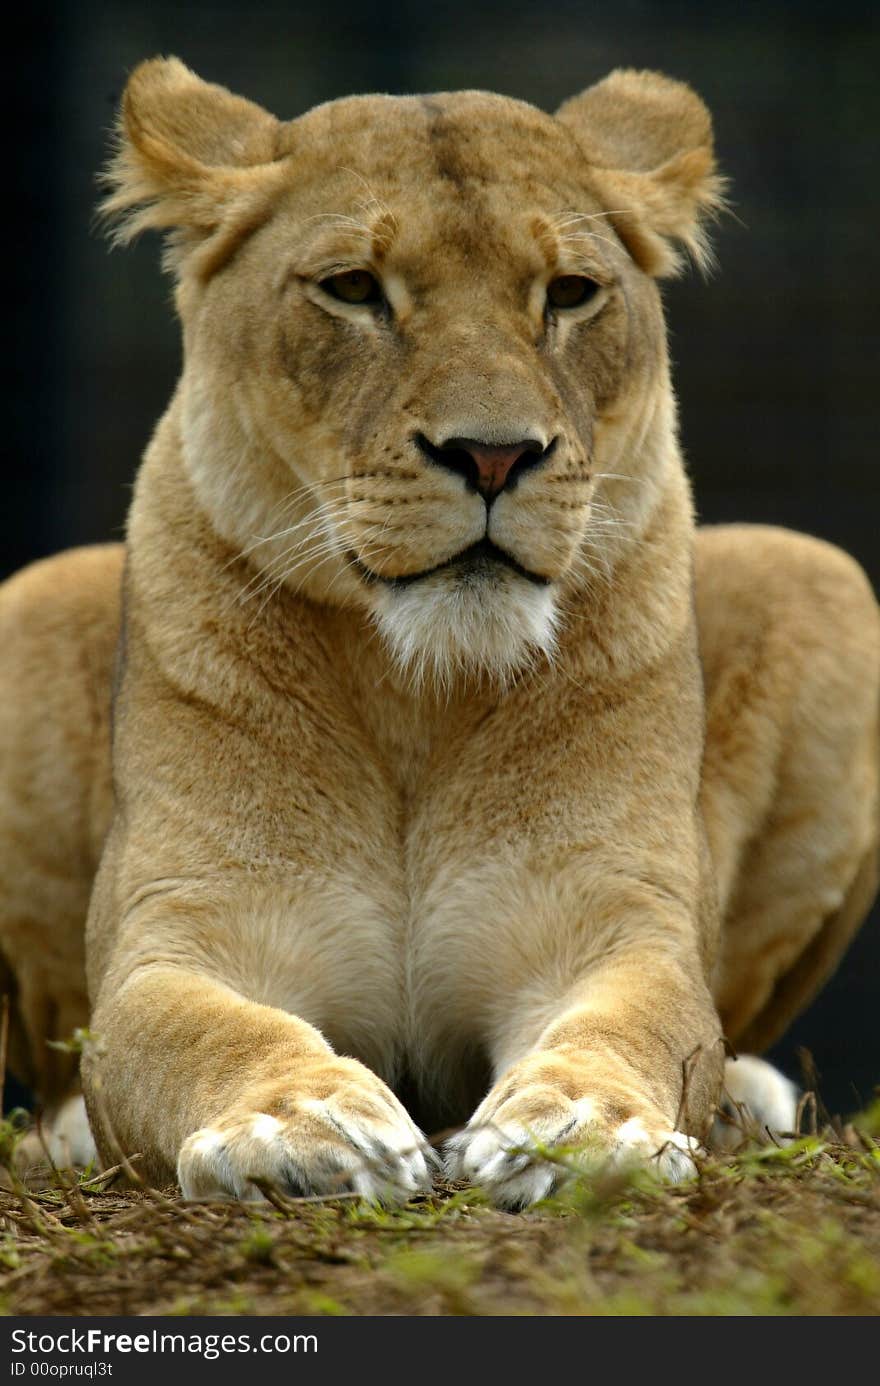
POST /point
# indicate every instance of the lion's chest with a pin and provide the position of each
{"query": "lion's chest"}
(402, 978)
(410, 927)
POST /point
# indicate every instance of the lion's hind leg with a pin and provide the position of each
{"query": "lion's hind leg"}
(790, 641)
(59, 621)
(62, 1139)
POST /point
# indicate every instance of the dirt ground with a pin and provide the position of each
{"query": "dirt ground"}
(772, 1231)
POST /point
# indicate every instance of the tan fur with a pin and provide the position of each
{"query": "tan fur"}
(457, 831)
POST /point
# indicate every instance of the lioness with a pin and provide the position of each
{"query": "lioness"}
(453, 781)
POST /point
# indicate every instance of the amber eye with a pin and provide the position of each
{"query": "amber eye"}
(570, 290)
(354, 286)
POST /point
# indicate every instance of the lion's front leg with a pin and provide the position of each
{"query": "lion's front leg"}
(230, 1094)
(629, 1069)
(215, 1006)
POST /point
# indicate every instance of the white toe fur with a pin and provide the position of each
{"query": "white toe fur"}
(206, 1142)
(757, 1101)
(499, 1158)
(265, 1127)
(672, 1151)
(69, 1136)
(323, 1150)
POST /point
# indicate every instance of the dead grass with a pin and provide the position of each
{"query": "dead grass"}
(775, 1231)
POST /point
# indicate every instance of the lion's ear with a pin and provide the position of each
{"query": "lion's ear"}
(186, 149)
(648, 140)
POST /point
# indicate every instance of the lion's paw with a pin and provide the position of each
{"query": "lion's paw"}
(516, 1164)
(353, 1139)
(757, 1103)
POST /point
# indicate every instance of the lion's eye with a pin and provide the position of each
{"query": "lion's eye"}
(570, 290)
(354, 286)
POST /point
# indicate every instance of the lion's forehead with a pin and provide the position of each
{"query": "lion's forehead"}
(461, 139)
(468, 184)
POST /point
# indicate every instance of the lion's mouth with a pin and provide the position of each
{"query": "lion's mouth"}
(475, 563)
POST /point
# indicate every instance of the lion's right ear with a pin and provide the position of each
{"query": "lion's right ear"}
(648, 141)
(186, 150)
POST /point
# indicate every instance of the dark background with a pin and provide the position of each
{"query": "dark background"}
(775, 357)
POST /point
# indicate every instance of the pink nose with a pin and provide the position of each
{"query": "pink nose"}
(488, 467)
(494, 464)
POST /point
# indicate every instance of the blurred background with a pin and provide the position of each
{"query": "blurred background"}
(775, 357)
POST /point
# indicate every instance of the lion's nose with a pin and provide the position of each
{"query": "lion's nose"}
(487, 467)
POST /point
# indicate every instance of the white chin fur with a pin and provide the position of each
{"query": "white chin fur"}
(442, 628)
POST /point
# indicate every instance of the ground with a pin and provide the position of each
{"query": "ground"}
(791, 1230)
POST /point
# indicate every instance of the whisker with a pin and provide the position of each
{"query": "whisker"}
(568, 217)
(321, 546)
(620, 476)
(603, 509)
(575, 238)
(286, 503)
(340, 219)
(373, 201)
(282, 579)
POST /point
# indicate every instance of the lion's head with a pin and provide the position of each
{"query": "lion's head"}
(425, 366)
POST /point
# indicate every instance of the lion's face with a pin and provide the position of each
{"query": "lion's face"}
(414, 367)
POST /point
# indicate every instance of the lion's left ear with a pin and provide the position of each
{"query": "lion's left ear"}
(187, 151)
(648, 140)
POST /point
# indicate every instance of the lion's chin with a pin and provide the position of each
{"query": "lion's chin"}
(443, 631)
